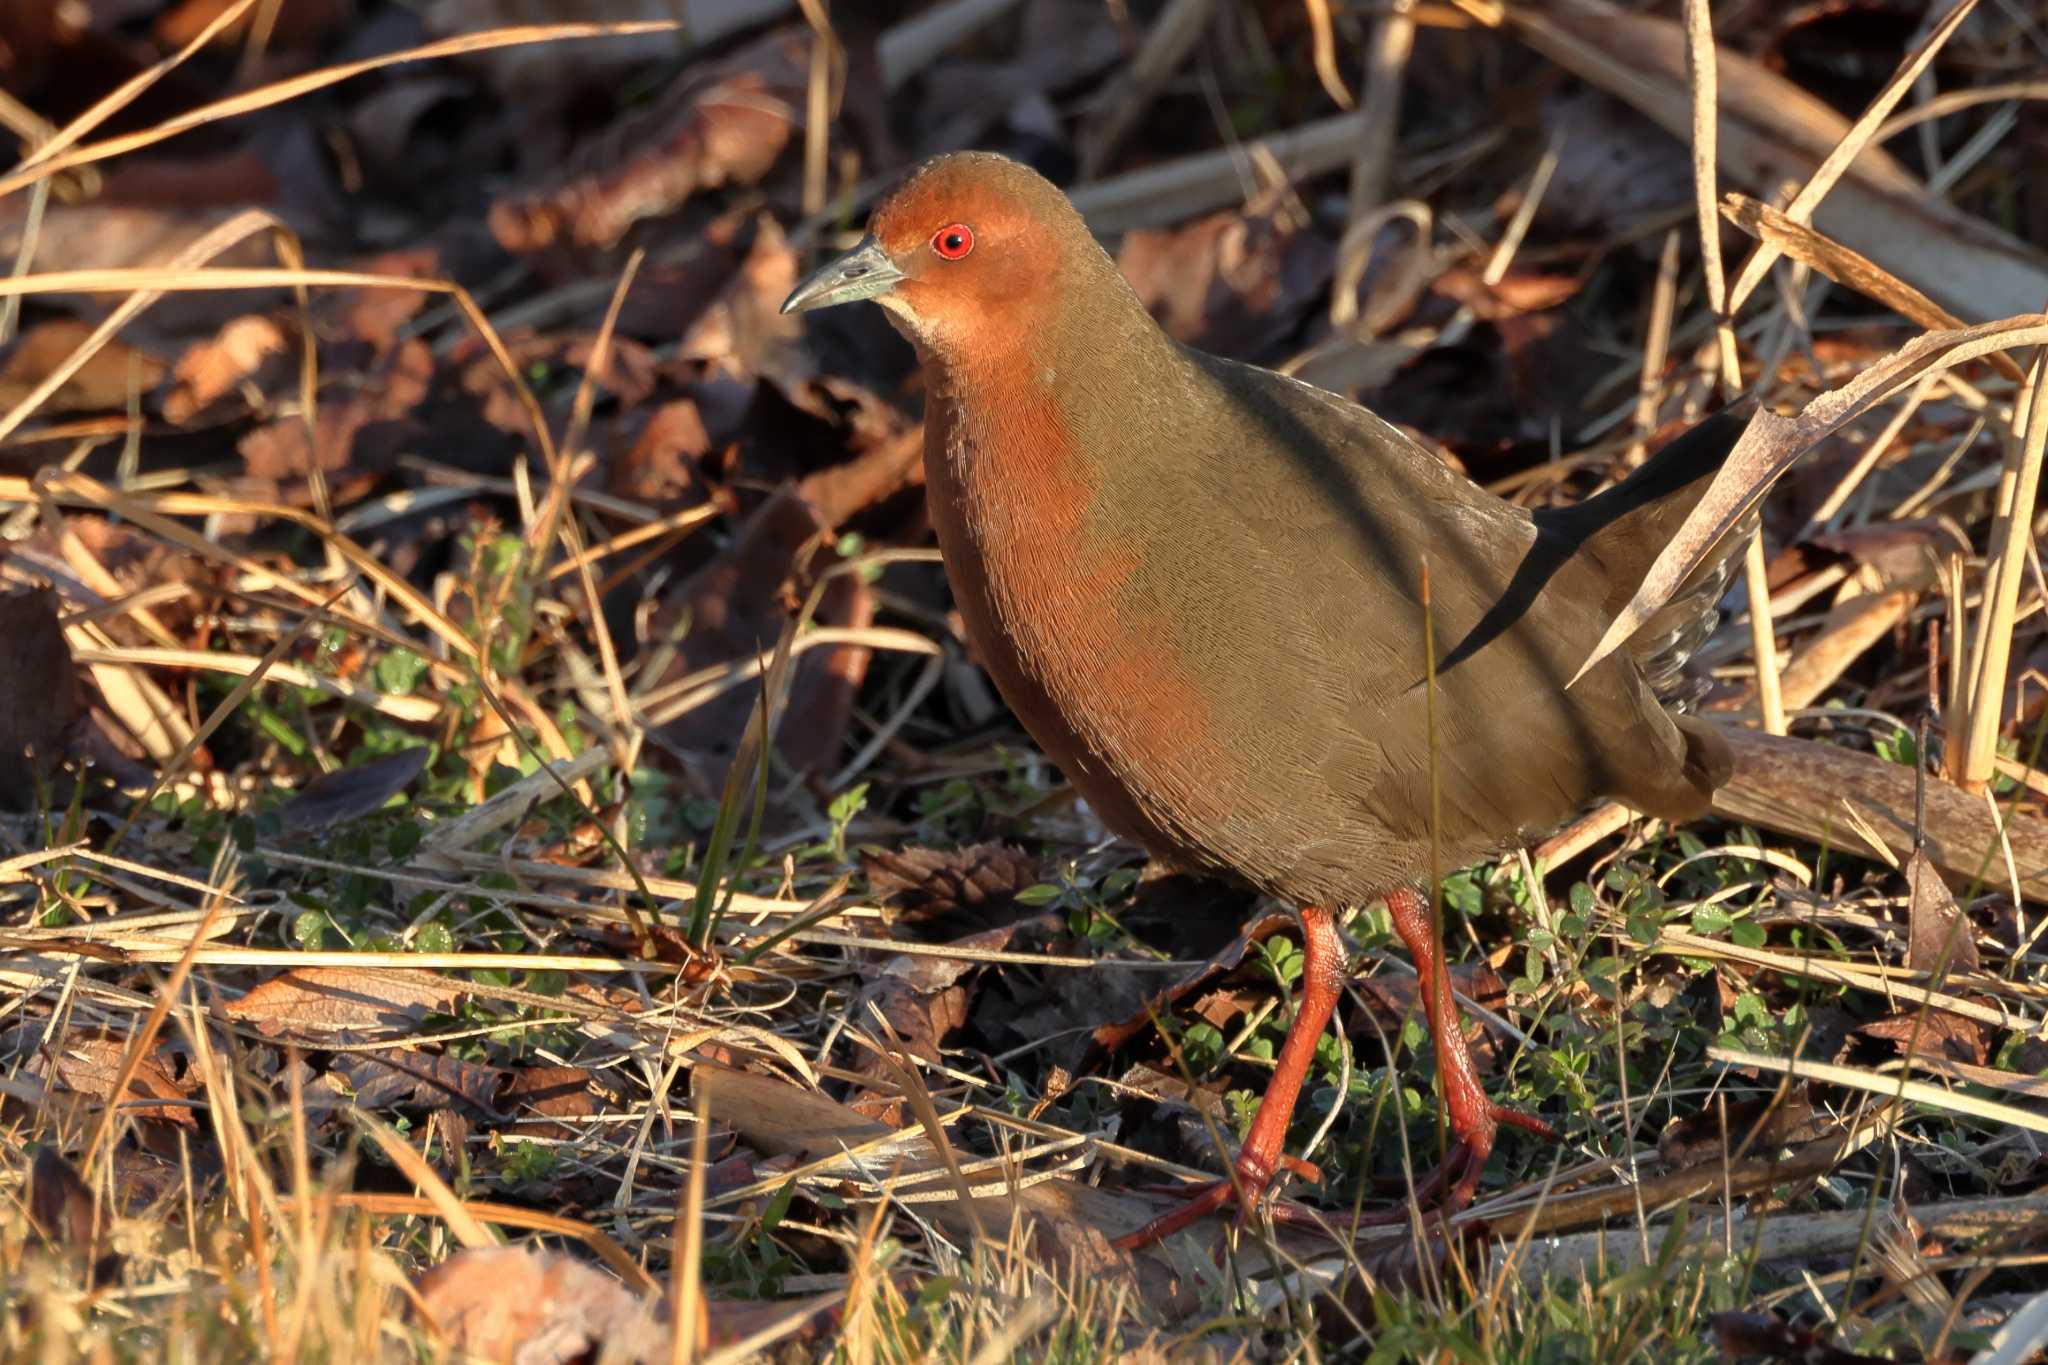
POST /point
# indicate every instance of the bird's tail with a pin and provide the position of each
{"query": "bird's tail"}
(1625, 528)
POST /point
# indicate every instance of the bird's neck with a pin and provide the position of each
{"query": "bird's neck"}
(1040, 406)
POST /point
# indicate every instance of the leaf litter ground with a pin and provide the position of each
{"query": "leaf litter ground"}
(512, 852)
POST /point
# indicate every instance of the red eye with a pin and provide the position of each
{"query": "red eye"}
(953, 242)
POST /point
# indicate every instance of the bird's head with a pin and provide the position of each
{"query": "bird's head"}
(967, 253)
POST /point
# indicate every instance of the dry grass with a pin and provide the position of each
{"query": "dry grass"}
(253, 1217)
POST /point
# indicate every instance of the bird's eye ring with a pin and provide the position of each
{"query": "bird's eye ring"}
(954, 241)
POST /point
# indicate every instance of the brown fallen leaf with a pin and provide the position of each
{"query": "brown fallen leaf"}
(1517, 292)
(105, 382)
(66, 1214)
(1236, 282)
(90, 1066)
(662, 468)
(925, 998)
(1110, 1037)
(246, 350)
(329, 1000)
(1755, 1128)
(921, 1020)
(726, 126)
(1765, 1335)
(350, 793)
(378, 314)
(1933, 1033)
(535, 1307)
(411, 1079)
(1939, 938)
(1906, 554)
(742, 328)
(926, 883)
(1069, 1223)
(734, 607)
(557, 1092)
(1398, 996)
(358, 436)
(301, 24)
(41, 701)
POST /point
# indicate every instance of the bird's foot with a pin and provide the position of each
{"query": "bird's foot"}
(1451, 1186)
(1244, 1188)
(1446, 1190)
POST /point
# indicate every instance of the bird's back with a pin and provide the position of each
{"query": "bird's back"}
(1282, 536)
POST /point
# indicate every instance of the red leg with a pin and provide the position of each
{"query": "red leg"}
(1322, 981)
(1474, 1119)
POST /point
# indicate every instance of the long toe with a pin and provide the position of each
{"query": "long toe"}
(1200, 1203)
(1528, 1123)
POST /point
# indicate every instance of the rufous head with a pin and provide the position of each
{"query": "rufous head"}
(973, 248)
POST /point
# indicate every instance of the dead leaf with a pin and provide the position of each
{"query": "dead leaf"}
(1933, 1033)
(41, 702)
(65, 1212)
(743, 328)
(301, 24)
(411, 1079)
(925, 999)
(247, 350)
(1940, 938)
(378, 314)
(926, 883)
(728, 126)
(359, 434)
(537, 1308)
(1755, 1128)
(921, 1020)
(328, 1000)
(559, 1092)
(1614, 170)
(90, 1066)
(847, 490)
(1068, 1222)
(662, 468)
(1110, 1037)
(1514, 294)
(1905, 553)
(1236, 282)
(1766, 1336)
(1399, 996)
(115, 371)
(733, 608)
(350, 793)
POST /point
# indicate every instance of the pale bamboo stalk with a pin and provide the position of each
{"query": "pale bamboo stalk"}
(1699, 51)
(2011, 537)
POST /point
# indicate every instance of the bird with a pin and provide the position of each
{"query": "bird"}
(1201, 585)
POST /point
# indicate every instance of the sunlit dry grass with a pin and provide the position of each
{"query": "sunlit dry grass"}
(273, 1231)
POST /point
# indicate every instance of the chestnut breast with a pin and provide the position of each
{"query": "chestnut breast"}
(1042, 586)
